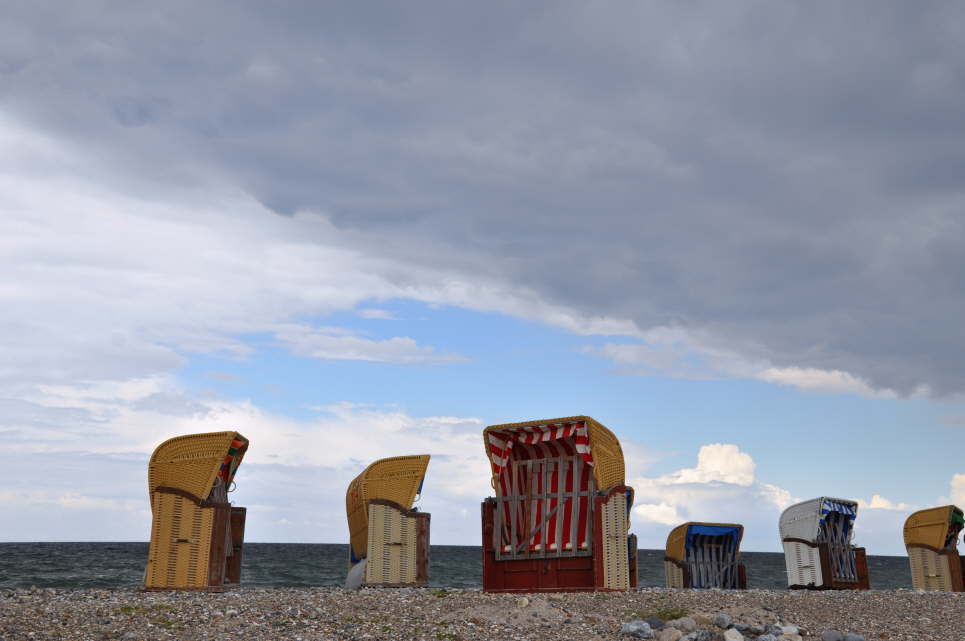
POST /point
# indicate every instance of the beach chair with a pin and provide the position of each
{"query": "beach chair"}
(560, 516)
(196, 534)
(818, 553)
(389, 539)
(705, 555)
(931, 538)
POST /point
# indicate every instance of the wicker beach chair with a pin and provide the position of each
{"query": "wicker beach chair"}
(389, 540)
(560, 516)
(196, 534)
(931, 538)
(818, 553)
(705, 555)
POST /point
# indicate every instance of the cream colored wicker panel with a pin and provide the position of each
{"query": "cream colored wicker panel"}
(616, 565)
(392, 547)
(178, 556)
(929, 570)
(803, 564)
(674, 574)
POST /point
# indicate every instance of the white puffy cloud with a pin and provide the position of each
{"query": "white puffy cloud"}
(958, 490)
(879, 502)
(721, 488)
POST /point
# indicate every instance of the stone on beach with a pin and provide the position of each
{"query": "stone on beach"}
(684, 624)
(669, 634)
(722, 620)
(733, 635)
(637, 630)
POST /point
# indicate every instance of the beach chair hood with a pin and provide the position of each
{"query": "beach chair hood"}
(569, 436)
(803, 520)
(397, 479)
(937, 528)
(192, 463)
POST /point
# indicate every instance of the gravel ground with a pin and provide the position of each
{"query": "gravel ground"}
(310, 614)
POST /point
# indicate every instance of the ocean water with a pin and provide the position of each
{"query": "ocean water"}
(121, 565)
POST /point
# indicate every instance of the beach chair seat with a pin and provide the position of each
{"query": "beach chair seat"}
(386, 533)
(818, 553)
(197, 535)
(931, 539)
(705, 555)
(560, 516)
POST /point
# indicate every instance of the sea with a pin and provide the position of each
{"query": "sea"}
(121, 565)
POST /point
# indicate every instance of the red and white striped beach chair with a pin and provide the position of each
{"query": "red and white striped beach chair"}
(559, 519)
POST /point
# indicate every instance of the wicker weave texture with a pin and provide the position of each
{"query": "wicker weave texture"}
(178, 556)
(191, 462)
(392, 547)
(931, 570)
(616, 562)
(674, 574)
(929, 527)
(395, 479)
(608, 464)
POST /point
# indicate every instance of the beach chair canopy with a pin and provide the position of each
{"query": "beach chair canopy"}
(397, 479)
(566, 437)
(810, 520)
(937, 527)
(193, 463)
(691, 535)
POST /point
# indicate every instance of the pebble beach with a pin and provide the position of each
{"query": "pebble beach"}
(310, 614)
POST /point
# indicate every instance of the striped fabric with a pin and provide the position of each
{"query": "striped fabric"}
(548, 459)
(229, 465)
(541, 438)
(847, 508)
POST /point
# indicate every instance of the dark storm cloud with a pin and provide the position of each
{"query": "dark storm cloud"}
(784, 178)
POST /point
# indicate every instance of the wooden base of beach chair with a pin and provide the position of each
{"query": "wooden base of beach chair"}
(809, 567)
(398, 546)
(608, 564)
(933, 569)
(678, 576)
(189, 543)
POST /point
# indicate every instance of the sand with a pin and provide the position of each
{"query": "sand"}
(255, 614)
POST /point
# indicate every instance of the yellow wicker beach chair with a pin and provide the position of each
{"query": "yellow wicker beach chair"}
(705, 555)
(196, 534)
(559, 520)
(931, 538)
(385, 533)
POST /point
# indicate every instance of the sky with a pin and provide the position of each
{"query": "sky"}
(731, 232)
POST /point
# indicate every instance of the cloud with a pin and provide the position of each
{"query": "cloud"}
(958, 489)
(375, 313)
(324, 344)
(293, 479)
(879, 502)
(834, 381)
(721, 488)
(789, 216)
